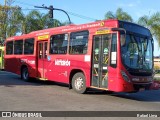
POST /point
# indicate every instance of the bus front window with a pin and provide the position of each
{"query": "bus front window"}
(137, 52)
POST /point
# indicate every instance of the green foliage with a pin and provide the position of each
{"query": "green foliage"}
(38, 21)
(6, 21)
(156, 67)
(152, 23)
(120, 15)
(13, 21)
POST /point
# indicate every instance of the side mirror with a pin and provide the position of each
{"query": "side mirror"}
(123, 35)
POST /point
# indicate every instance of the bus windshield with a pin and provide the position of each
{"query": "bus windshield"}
(137, 52)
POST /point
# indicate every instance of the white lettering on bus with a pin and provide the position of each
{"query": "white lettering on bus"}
(43, 33)
(28, 61)
(31, 62)
(62, 62)
(23, 60)
(82, 27)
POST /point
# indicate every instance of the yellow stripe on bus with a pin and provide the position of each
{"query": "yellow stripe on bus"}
(102, 32)
(43, 37)
(43, 79)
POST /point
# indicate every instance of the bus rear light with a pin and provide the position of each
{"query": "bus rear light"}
(125, 77)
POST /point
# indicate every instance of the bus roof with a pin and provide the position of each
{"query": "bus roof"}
(68, 28)
(135, 28)
(111, 23)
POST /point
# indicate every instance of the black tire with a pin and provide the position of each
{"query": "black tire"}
(25, 74)
(79, 83)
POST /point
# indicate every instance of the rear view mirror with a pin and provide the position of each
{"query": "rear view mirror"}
(123, 35)
(123, 39)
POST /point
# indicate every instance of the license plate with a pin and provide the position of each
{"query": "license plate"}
(141, 89)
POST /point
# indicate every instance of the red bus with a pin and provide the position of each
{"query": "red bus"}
(111, 55)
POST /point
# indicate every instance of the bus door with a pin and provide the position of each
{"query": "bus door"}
(100, 60)
(42, 59)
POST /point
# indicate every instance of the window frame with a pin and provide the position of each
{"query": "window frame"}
(17, 47)
(12, 47)
(114, 49)
(50, 49)
(33, 45)
(70, 41)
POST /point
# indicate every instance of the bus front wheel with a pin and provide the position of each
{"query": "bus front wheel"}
(79, 83)
(25, 74)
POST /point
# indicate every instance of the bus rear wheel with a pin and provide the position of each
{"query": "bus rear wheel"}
(79, 83)
(25, 74)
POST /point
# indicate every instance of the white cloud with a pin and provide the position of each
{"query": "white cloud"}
(127, 5)
(132, 4)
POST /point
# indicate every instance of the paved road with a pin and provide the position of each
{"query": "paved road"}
(18, 95)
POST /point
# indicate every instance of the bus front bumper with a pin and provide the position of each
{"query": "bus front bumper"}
(142, 86)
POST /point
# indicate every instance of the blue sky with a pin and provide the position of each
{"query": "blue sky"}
(94, 9)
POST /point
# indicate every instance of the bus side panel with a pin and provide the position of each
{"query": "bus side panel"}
(14, 64)
(59, 68)
(112, 76)
(11, 64)
(117, 83)
(56, 72)
(30, 62)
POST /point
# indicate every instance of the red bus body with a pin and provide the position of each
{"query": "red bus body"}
(62, 67)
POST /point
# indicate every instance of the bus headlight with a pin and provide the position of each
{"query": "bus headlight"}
(125, 77)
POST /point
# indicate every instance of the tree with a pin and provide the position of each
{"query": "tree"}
(120, 14)
(152, 23)
(14, 23)
(6, 20)
(35, 20)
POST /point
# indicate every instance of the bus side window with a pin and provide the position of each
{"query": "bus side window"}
(58, 44)
(78, 42)
(29, 46)
(18, 47)
(9, 47)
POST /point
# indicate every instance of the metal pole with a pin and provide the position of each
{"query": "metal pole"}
(5, 2)
(65, 13)
(55, 9)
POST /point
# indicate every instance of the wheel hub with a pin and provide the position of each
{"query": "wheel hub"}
(79, 83)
